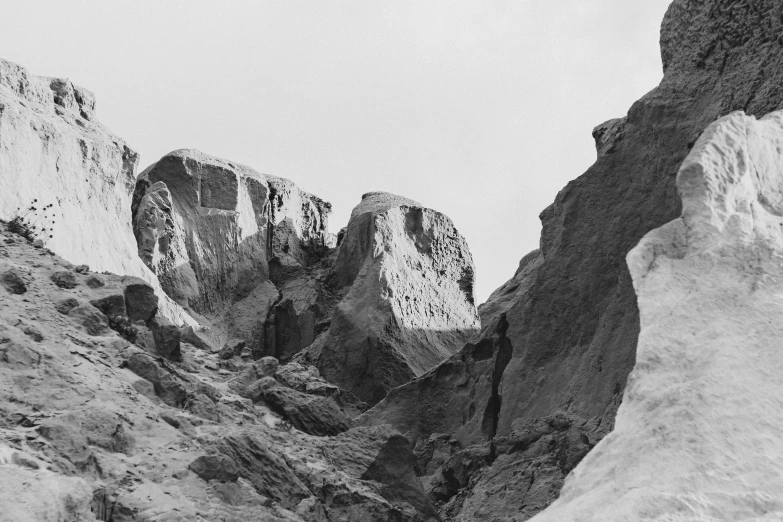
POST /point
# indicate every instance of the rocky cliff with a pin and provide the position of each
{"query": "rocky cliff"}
(544, 379)
(219, 235)
(407, 275)
(54, 152)
(696, 435)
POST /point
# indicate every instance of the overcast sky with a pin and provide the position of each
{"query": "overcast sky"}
(479, 109)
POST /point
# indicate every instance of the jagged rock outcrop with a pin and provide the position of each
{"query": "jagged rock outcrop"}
(97, 427)
(209, 229)
(409, 302)
(571, 314)
(696, 437)
(54, 152)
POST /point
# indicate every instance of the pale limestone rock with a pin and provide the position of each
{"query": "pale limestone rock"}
(410, 303)
(697, 434)
(54, 151)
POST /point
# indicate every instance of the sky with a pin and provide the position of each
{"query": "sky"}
(480, 109)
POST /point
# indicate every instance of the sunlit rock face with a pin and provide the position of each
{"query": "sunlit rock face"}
(54, 152)
(209, 229)
(697, 434)
(409, 303)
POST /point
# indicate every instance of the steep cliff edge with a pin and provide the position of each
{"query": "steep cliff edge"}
(220, 235)
(560, 338)
(696, 436)
(54, 152)
(409, 304)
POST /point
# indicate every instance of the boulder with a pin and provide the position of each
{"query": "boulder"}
(410, 302)
(65, 279)
(311, 414)
(189, 335)
(140, 302)
(91, 318)
(215, 467)
(232, 348)
(66, 305)
(95, 281)
(267, 366)
(168, 387)
(167, 339)
(12, 281)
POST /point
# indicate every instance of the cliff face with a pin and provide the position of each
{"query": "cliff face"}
(53, 151)
(560, 337)
(705, 388)
(409, 304)
(210, 229)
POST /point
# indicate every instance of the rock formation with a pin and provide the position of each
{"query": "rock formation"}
(409, 304)
(54, 152)
(97, 424)
(696, 437)
(560, 337)
(210, 229)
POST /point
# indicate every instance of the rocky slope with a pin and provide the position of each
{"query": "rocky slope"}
(107, 415)
(696, 437)
(407, 278)
(544, 379)
(54, 152)
(220, 235)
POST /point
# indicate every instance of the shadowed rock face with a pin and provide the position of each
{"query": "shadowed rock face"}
(705, 388)
(209, 229)
(571, 313)
(409, 303)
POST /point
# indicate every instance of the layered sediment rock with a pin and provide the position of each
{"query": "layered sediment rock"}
(409, 302)
(561, 335)
(209, 229)
(696, 435)
(54, 152)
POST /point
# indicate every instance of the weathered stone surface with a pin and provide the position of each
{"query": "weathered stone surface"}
(410, 303)
(53, 151)
(695, 436)
(33, 495)
(268, 473)
(208, 229)
(312, 414)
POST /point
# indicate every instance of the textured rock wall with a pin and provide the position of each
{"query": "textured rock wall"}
(696, 436)
(571, 313)
(409, 303)
(53, 150)
(209, 229)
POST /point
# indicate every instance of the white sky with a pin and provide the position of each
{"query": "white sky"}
(479, 109)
